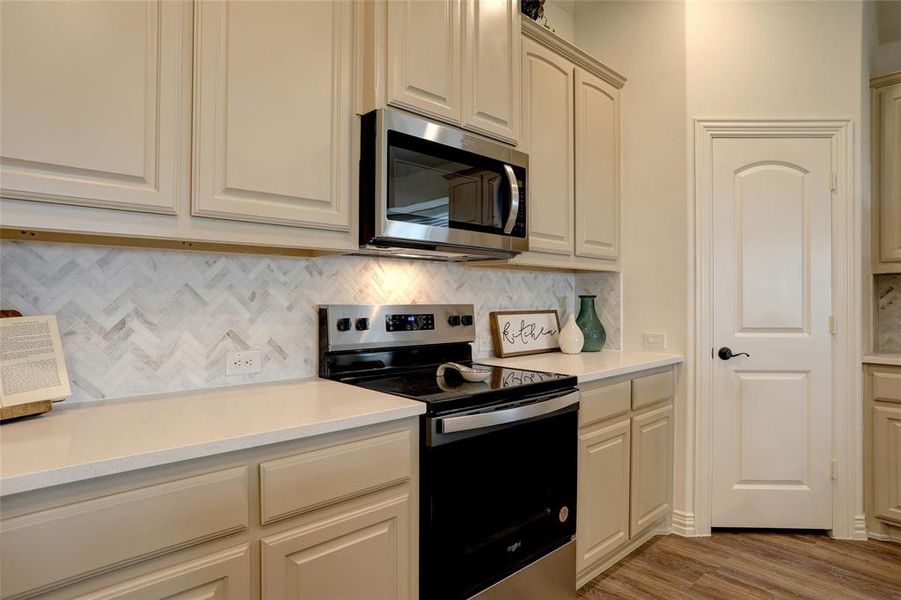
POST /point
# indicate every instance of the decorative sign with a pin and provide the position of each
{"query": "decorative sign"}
(518, 332)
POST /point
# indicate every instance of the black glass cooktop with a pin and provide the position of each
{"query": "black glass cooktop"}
(452, 389)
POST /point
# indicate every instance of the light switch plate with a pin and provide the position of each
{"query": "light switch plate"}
(651, 339)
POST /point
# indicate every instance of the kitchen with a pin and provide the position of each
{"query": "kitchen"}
(200, 197)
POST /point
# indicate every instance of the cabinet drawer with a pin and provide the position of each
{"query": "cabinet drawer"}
(604, 401)
(887, 386)
(652, 389)
(295, 484)
(65, 544)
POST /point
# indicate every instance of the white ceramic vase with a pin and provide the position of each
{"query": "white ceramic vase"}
(571, 337)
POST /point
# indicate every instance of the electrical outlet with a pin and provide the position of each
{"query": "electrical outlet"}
(242, 363)
(652, 339)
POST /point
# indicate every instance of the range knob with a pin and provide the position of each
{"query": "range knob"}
(362, 324)
(466, 320)
(344, 324)
(453, 320)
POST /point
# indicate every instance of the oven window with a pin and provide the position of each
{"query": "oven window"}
(432, 184)
(493, 503)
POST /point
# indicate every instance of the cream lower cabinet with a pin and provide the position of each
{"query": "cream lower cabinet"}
(89, 108)
(882, 450)
(334, 516)
(356, 552)
(625, 467)
(887, 173)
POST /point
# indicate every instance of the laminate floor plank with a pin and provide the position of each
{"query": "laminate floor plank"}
(753, 565)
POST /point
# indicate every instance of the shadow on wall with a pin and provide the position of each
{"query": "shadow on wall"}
(148, 321)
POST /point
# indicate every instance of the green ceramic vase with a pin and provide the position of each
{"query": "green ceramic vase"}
(590, 324)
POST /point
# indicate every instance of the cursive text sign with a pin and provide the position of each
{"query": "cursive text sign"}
(525, 332)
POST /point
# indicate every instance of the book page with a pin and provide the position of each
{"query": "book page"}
(32, 367)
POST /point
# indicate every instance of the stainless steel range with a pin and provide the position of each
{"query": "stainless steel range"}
(498, 449)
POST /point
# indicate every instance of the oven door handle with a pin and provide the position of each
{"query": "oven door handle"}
(511, 415)
(514, 200)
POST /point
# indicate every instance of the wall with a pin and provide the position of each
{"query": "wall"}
(559, 15)
(646, 42)
(785, 60)
(888, 313)
(146, 321)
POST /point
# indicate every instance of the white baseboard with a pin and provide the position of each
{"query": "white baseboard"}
(683, 523)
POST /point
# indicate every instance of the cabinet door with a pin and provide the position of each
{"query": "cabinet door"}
(273, 112)
(603, 504)
(547, 96)
(889, 132)
(89, 108)
(887, 462)
(491, 67)
(218, 576)
(360, 551)
(424, 70)
(652, 468)
(597, 167)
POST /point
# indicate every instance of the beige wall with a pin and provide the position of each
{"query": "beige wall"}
(559, 15)
(646, 42)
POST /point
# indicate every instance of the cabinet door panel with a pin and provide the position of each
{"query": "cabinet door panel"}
(597, 167)
(603, 506)
(424, 70)
(267, 148)
(548, 138)
(887, 462)
(890, 173)
(220, 576)
(491, 68)
(652, 460)
(360, 552)
(89, 112)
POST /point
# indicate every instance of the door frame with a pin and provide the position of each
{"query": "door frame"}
(847, 440)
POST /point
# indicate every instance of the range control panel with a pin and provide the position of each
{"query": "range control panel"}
(410, 322)
(358, 326)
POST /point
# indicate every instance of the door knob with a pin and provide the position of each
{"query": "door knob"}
(725, 353)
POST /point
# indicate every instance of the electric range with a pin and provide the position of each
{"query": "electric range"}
(498, 457)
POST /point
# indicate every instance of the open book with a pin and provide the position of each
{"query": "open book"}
(32, 366)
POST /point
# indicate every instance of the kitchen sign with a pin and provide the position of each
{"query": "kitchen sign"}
(520, 332)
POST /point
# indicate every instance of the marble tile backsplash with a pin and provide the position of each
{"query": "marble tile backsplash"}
(888, 313)
(147, 321)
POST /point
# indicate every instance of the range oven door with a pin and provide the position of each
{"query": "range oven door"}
(498, 491)
(434, 186)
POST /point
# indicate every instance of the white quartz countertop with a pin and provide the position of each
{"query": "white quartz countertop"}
(882, 359)
(93, 439)
(588, 366)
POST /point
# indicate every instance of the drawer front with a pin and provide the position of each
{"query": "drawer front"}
(295, 484)
(652, 389)
(605, 401)
(65, 544)
(887, 386)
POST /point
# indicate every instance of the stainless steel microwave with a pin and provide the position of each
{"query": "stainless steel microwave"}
(435, 191)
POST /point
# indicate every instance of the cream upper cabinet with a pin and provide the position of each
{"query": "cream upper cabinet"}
(603, 499)
(491, 68)
(273, 112)
(887, 171)
(358, 552)
(424, 56)
(652, 465)
(597, 124)
(547, 82)
(89, 107)
(887, 462)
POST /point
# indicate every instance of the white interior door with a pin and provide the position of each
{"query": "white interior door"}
(772, 445)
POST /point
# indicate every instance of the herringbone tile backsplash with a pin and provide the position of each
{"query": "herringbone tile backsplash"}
(888, 313)
(146, 321)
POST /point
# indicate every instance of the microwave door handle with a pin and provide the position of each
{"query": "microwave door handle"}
(511, 415)
(514, 200)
